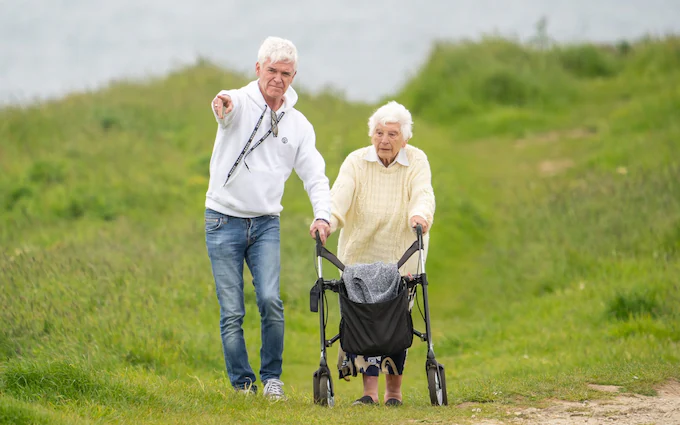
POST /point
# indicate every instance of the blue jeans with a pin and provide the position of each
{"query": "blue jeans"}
(230, 242)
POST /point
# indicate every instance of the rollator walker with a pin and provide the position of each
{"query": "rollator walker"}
(324, 394)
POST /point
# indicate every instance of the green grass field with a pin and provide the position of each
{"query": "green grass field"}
(554, 258)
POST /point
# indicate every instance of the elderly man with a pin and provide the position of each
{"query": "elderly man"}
(261, 138)
(381, 193)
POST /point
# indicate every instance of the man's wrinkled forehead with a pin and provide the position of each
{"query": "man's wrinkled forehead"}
(269, 62)
(280, 65)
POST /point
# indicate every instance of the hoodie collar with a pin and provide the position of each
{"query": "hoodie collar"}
(290, 97)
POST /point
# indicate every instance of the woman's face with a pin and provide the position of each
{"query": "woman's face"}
(388, 140)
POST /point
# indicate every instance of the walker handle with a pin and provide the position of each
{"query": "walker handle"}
(419, 233)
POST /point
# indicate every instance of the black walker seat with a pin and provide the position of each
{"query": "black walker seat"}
(374, 329)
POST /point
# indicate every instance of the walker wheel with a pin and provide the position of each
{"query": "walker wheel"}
(436, 383)
(323, 390)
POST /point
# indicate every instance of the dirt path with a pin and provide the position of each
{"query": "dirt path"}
(625, 409)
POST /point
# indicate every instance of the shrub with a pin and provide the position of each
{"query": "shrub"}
(587, 62)
(47, 172)
(507, 88)
(15, 195)
(632, 305)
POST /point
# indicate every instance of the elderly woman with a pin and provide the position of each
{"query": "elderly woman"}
(382, 192)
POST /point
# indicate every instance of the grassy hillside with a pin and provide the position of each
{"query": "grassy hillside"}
(554, 259)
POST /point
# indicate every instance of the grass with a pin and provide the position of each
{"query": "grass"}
(554, 257)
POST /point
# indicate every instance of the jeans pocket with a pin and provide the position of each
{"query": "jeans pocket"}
(214, 221)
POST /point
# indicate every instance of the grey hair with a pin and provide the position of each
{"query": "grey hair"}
(389, 113)
(278, 50)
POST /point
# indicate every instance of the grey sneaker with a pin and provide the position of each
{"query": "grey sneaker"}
(273, 389)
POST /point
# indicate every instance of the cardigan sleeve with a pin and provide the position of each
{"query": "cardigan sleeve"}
(342, 192)
(422, 200)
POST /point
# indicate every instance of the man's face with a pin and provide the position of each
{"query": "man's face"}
(388, 140)
(274, 78)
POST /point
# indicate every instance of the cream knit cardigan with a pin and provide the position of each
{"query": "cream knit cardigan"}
(372, 204)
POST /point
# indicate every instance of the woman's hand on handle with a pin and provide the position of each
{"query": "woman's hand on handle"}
(416, 220)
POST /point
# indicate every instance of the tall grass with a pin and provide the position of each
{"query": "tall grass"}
(554, 257)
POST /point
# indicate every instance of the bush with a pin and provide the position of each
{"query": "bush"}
(460, 79)
(47, 172)
(587, 62)
(633, 305)
(15, 195)
(655, 56)
(506, 88)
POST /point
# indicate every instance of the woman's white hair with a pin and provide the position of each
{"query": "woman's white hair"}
(278, 50)
(389, 113)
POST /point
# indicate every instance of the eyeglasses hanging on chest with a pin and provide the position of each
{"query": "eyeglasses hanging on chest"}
(275, 123)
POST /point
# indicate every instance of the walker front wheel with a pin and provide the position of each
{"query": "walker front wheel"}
(323, 390)
(436, 383)
(326, 397)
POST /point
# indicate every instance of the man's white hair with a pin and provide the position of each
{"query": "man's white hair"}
(278, 50)
(389, 113)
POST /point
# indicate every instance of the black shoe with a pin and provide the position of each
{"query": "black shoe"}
(246, 389)
(363, 400)
(393, 402)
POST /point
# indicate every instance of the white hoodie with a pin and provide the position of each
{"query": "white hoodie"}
(256, 186)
